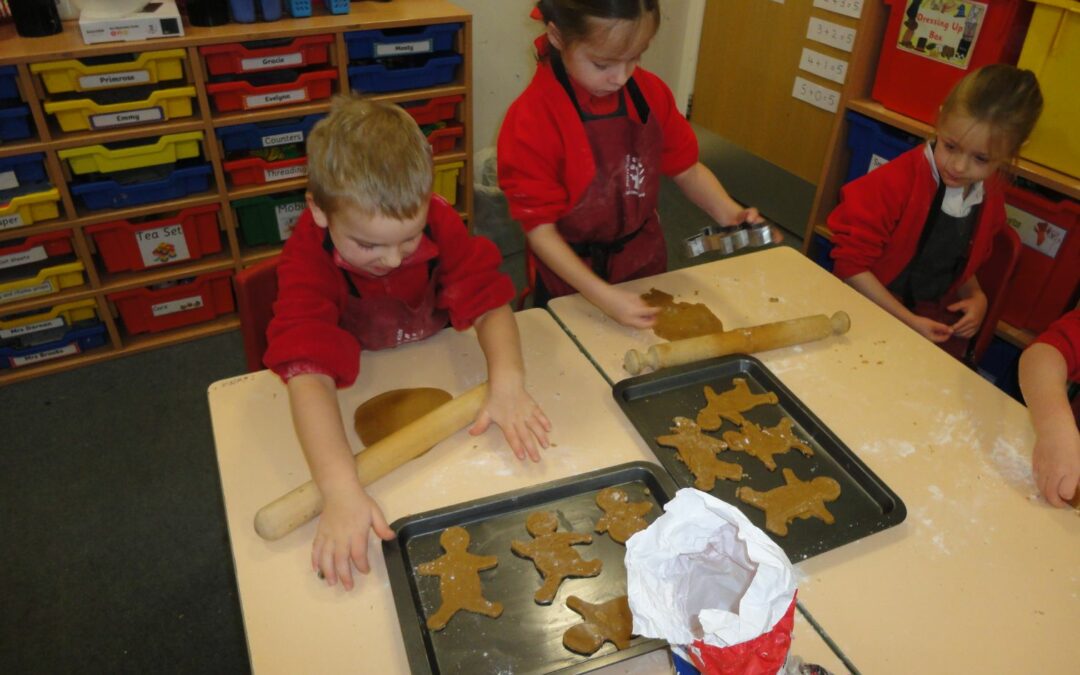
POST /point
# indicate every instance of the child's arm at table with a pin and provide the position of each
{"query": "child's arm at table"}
(869, 285)
(523, 423)
(1056, 457)
(348, 512)
(703, 188)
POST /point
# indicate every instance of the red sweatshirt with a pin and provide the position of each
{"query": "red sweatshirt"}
(305, 336)
(1064, 336)
(881, 215)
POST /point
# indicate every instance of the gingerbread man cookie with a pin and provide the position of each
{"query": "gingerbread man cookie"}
(680, 320)
(459, 579)
(730, 405)
(622, 517)
(797, 499)
(609, 621)
(551, 553)
(764, 443)
(698, 452)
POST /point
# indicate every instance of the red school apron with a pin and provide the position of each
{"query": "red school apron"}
(383, 321)
(614, 227)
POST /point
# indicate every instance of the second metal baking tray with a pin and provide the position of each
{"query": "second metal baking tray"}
(866, 504)
(527, 637)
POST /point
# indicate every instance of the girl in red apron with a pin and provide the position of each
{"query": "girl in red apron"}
(581, 152)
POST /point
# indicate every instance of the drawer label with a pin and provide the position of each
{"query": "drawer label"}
(123, 119)
(287, 215)
(415, 47)
(35, 254)
(276, 61)
(1036, 233)
(162, 245)
(114, 79)
(284, 173)
(8, 180)
(282, 139)
(66, 350)
(36, 327)
(11, 220)
(277, 98)
(875, 162)
(943, 32)
(176, 306)
(18, 293)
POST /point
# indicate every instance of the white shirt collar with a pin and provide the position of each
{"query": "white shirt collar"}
(954, 203)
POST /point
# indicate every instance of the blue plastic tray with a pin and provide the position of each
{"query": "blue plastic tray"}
(111, 194)
(27, 169)
(371, 44)
(266, 134)
(867, 137)
(248, 11)
(86, 337)
(376, 77)
(14, 123)
(9, 82)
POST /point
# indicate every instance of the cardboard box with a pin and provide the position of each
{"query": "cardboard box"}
(156, 20)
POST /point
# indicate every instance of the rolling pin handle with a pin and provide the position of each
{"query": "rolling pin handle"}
(841, 323)
(632, 362)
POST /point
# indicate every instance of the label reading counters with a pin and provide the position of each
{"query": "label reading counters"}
(282, 139)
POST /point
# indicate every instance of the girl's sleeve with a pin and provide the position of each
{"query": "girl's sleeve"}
(1064, 336)
(680, 142)
(864, 221)
(531, 160)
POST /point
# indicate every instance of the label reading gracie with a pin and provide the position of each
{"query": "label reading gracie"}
(267, 62)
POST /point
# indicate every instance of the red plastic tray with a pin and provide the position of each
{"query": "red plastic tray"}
(439, 109)
(149, 310)
(240, 95)
(446, 139)
(35, 249)
(258, 171)
(189, 235)
(311, 50)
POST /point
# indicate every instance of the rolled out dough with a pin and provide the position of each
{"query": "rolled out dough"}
(382, 415)
(681, 320)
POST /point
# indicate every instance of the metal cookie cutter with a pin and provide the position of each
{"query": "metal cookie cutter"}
(727, 240)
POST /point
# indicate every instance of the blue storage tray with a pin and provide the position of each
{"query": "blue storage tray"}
(377, 77)
(9, 82)
(867, 137)
(425, 40)
(27, 169)
(248, 11)
(87, 338)
(14, 123)
(110, 194)
(299, 8)
(336, 6)
(254, 136)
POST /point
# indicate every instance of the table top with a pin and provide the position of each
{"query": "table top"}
(293, 622)
(983, 576)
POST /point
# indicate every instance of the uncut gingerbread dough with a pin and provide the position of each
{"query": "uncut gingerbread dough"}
(764, 442)
(681, 320)
(796, 499)
(459, 579)
(382, 415)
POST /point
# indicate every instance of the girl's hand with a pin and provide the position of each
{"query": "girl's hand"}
(747, 215)
(931, 330)
(1056, 463)
(973, 309)
(342, 536)
(523, 423)
(627, 308)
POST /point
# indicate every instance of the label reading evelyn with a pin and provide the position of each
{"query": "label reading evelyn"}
(121, 119)
(852, 8)
(284, 173)
(1044, 237)
(162, 245)
(35, 254)
(175, 306)
(114, 79)
(282, 139)
(823, 66)
(278, 98)
(277, 61)
(66, 350)
(41, 289)
(944, 32)
(832, 34)
(816, 95)
(417, 47)
(287, 215)
(8, 180)
(29, 328)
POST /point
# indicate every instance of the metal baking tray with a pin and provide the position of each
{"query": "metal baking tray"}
(866, 504)
(527, 638)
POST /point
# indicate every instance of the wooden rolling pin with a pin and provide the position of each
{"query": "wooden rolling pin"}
(291, 510)
(739, 341)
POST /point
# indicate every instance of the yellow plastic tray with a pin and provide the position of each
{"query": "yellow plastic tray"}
(446, 180)
(1052, 51)
(79, 114)
(30, 208)
(74, 75)
(49, 280)
(70, 312)
(167, 149)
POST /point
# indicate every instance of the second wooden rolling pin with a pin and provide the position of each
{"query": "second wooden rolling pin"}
(290, 511)
(739, 341)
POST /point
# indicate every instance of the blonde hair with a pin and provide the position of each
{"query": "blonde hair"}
(1005, 98)
(369, 155)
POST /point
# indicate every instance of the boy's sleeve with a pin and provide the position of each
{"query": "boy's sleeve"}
(1064, 336)
(864, 221)
(470, 281)
(531, 156)
(304, 335)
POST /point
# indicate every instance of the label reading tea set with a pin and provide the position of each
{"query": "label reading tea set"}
(162, 245)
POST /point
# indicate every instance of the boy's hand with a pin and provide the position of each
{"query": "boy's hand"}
(1056, 463)
(933, 331)
(627, 308)
(341, 539)
(973, 309)
(523, 423)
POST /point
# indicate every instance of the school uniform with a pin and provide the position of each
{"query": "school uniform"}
(327, 311)
(921, 239)
(1064, 336)
(592, 166)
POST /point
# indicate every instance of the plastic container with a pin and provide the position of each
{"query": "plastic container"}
(1052, 51)
(22, 170)
(14, 123)
(873, 144)
(439, 109)
(1048, 273)
(104, 159)
(298, 8)
(189, 235)
(9, 83)
(45, 281)
(35, 327)
(123, 70)
(248, 57)
(336, 6)
(248, 11)
(446, 180)
(243, 137)
(74, 341)
(374, 44)
(35, 249)
(381, 77)
(111, 193)
(28, 205)
(258, 171)
(152, 310)
(242, 95)
(920, 61)
(446, 138)
(159, 106)
(268, 219)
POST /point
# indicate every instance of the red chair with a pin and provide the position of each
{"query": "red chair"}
(256, 290)
(530, 278)
(994, 276)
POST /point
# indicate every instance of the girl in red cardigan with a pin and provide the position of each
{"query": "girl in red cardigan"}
(911, 234)
(581, 152)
